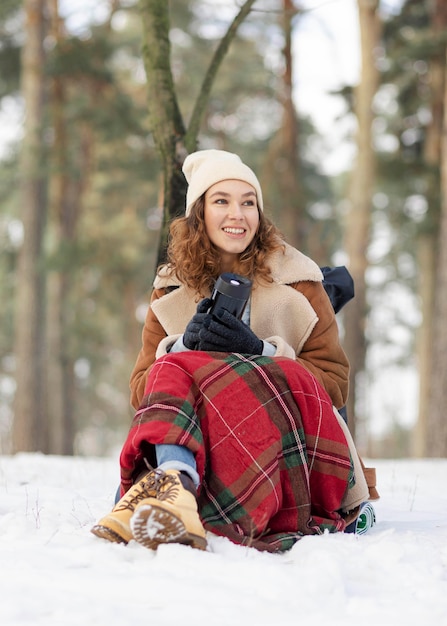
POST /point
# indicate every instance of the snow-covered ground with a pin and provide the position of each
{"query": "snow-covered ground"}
(53, 571)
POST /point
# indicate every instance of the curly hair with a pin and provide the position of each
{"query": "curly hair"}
(195, 260)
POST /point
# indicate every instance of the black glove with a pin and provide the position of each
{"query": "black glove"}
(222, 332)
(191, 334)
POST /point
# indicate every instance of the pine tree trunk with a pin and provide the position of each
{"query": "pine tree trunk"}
(58, 278)
(426, 269)
(437, 401)
(29, 431)
(164, 114)
(357, 226)
(173, 141)
(429, 241)
(290, 221)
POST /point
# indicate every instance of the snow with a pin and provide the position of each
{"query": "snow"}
(54, 571)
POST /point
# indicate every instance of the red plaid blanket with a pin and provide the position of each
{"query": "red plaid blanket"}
(273, 460)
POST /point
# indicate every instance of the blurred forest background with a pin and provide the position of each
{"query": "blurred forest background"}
(103, 111)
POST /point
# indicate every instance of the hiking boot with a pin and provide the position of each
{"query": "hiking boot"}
(115, 526)
(365, 520)
(170, 515)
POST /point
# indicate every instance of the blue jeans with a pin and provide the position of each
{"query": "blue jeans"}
(170, 456)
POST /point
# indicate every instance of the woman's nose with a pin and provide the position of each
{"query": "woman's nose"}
(235, 210)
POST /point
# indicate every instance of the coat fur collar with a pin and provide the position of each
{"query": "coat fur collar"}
(279, 314)
(290, 266)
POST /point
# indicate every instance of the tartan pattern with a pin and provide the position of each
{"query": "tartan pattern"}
(273, 460)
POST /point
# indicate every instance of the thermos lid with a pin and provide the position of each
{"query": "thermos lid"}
(234, 285)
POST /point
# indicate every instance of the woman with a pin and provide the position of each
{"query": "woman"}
(236, 416)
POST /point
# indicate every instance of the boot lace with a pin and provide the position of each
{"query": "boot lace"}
(156, 484)
(166, 486)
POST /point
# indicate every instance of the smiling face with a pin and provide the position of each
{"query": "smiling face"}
(231, 218)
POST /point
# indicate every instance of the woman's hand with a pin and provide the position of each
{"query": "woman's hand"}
(222, 332)
(191, 334)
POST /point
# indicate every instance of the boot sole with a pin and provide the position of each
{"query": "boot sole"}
(153, 525)
(107, 533)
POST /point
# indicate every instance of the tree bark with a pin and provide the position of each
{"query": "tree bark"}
(429, 242)
(426, 261)
(437, 398)
(357, 226)
(29, 433)
(173, 141)
(56, 292)
(291, 220)
(282, 169)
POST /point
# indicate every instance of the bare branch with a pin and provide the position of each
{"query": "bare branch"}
(205, 90)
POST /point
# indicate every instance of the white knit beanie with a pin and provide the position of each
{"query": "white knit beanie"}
(204, 168)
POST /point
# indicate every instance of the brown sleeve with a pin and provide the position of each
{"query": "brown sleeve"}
(153, 333)
(322, 353)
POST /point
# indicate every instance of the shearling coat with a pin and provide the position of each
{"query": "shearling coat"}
(293, 313)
